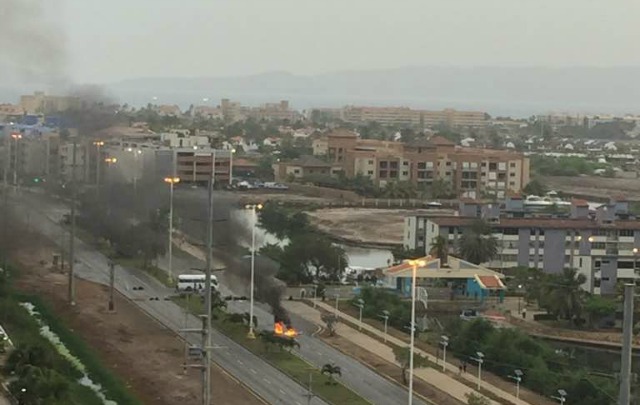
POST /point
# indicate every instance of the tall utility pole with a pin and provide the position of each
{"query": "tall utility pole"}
(112, 279)
(627, 336)
(72, 242)
(206, 337)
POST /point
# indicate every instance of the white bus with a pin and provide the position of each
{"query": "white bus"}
(195, 282)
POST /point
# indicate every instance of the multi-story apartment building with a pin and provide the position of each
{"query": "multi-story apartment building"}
(406, 116)
(194, 165)
(471, 172)
(602, 244)
(39, 102)
(25, 158)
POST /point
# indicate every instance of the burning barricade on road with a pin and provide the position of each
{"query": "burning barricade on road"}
(282, 327)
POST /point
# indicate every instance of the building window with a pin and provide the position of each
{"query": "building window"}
(393, 174)
(493, 166)
(422, 165)
(512, 174)
(448, 164)
(405, 173)
(370, 162)
(597, 245)
(483, 164)
(626, 232)
(370, 172)
(393, 165)
(405, 163)
(512, 164)
(580, 262)
(383, 174)
(296, 171)
(512, 183)
(383, 165)
(447, 173)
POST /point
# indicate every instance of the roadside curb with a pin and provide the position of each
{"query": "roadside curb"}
(385, 376)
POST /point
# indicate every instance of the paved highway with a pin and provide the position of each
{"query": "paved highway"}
(272, 385)
(268, 382)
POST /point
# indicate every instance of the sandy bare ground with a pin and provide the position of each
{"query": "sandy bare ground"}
(144, 354)
(367, 225)
(598, 187)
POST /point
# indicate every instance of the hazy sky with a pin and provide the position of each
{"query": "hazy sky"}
(118, 39)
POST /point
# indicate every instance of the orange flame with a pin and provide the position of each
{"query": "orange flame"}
(280, 329)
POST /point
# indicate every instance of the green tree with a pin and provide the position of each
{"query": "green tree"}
(565, 297)
(477, 245)
(440, 248)
(441, 188)
(331, 322)
(403, 356)
(476, 399)
(535, 187)
(598, 307)
(331, 370)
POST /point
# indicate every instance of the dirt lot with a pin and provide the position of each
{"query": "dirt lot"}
(594, 186)
(366, 225)
(147, 356)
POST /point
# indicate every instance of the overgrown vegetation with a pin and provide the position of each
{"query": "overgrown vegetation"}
(38, 374)
(545, 371)
(377, 300)
(563, 166)
(309, 255)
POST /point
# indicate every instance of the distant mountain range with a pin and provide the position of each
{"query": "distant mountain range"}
(497, 90)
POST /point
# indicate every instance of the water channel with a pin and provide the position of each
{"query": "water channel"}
(357, 256)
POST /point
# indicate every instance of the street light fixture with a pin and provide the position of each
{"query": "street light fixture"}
(479, 359)
(254, 208)
(385, 315)
(98, 145)
(517, 378)
(414, 265)
(16, 137)
(360, 304)
(562, 394)
(171, 181)
(231, 152)
(444, 341)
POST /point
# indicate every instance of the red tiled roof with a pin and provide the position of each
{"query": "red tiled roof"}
(441, 141)
(547, 223)
(579, 203)
(490, 282)
(405, 265)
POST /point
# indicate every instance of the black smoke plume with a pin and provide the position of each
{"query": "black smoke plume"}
(229, 236)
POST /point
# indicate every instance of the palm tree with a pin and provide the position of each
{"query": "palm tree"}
(331, 370)
(565, 296)
(440, 248)
(477, 245)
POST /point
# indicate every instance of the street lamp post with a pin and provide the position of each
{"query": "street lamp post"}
(385, 315)
(254, 209)
(444, 341)
(315, 294)
(16, 137)
(480, 359)
(414, 265)
(360, 304)
(562, 396)
(231, 152)
(98, 145)
(337, 301)
(172, 181)
(517, 378)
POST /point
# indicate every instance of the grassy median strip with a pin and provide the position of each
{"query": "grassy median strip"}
(331, 391)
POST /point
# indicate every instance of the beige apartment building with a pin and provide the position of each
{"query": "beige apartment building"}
(408, 116)
(39, 102)
(470, 171)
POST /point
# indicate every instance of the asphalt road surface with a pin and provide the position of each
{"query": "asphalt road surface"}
(269, 383)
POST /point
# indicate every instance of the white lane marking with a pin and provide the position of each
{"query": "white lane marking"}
(267, 381)
(253, 371)
(241, 363)
(282, 392)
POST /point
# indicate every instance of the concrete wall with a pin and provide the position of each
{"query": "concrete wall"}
(553, 259)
